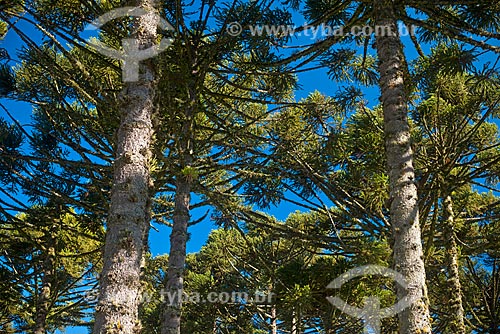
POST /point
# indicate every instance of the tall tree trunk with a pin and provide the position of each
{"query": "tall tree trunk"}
(457, 324)
(274, 320)
(295, 322)
(177, 258)
(408, 255)
(130, 207)
(171, 323)
(43, 307)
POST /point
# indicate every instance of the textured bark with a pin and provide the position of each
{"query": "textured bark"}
(171, 323)
(177, 259)
(129, 213)
(43, 306)
(408, 256)
(457, 324)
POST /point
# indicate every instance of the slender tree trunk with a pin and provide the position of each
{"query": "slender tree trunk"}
(274, 320)
(408, 255)
(457, 323)
(171, 323)
(493, 298)
(129, 213)
(177, 259)
(295, 322)
(43, 306)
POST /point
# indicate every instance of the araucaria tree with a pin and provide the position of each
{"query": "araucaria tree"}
(404, 213)
(129, 213)
(214, 116)
(436, 19)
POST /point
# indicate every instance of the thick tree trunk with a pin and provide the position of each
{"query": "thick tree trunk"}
(408, 256)
(457, 324)
(171, 323)
(129, 213)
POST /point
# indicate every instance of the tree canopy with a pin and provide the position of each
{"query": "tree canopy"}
(392, 160)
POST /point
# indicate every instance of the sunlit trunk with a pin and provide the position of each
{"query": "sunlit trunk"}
(408, 255)
(295, 323)
(274, 321)
(457, 324)
(130, 207)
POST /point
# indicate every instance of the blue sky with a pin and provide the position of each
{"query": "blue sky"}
(159, 241)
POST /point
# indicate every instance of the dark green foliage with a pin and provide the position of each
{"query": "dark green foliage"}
(260, 261)
(28, 243)
(345, 66)
(11, 140)
(7, 81)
